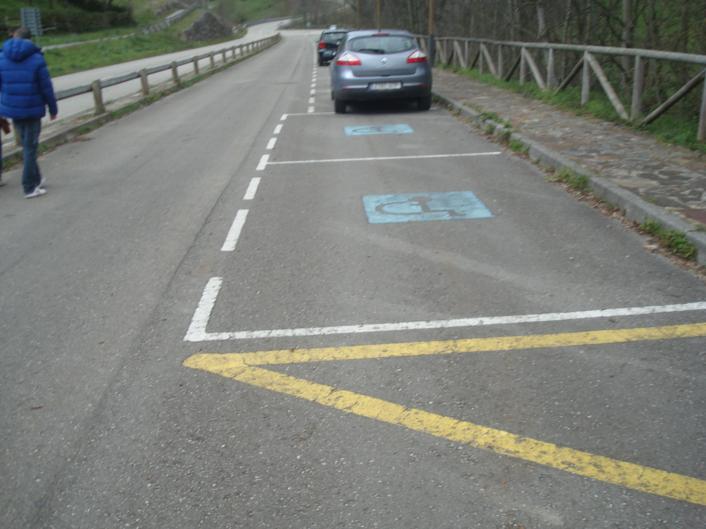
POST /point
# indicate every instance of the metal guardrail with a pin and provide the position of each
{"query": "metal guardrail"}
(97, 86)
(493, 54)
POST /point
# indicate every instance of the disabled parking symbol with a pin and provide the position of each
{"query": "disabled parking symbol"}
(409, 207)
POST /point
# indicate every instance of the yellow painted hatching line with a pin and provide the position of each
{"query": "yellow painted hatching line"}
(243, 368)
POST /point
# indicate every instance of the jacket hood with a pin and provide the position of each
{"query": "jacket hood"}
(17, 50)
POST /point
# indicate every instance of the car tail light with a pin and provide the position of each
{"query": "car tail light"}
(348, 59)
(322, 45)
(417, 56)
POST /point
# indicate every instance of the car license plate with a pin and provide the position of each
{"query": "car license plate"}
(385, 86)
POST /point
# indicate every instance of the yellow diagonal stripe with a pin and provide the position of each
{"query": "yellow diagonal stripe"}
(645, 479)
(475, 345)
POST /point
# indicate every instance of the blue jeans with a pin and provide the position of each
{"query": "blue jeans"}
(28, 130)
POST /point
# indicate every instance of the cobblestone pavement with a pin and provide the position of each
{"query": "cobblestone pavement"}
(668, 176)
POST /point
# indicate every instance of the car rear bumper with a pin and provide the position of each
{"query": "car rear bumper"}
(363, 92)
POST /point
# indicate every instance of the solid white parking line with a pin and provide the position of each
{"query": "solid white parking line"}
(252, 188)
(271, 144)
(299, 114)
(263, 162)
(234, 232)
(199, 333)
(383, 158)
(278, 129)
(199, 321)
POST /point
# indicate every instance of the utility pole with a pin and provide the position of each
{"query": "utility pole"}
(430, 29)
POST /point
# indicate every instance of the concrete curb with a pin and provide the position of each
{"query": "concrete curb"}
(633, 207)
(62, 136)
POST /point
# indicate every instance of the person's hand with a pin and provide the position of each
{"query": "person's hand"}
(52, 117)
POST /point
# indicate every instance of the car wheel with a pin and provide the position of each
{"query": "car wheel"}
(339, 106)
(424, 103)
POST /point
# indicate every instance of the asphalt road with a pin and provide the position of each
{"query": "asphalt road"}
(525, 363)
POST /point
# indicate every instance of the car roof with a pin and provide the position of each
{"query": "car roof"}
(339, 30)
(370, 32)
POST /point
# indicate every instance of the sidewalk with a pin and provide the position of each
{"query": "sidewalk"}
(638, 173)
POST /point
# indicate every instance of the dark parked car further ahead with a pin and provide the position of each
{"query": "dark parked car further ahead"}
(376, 64)
(328, 44)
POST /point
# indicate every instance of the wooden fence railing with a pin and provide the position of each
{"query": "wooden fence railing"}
(539, 60)
(224, 54)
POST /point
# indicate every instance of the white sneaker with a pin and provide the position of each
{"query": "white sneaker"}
(38, 192)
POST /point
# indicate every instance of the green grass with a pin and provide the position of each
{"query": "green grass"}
(575, 181)
(85, 57)
(64, 38)
(675, 241)
(672, 128)
(518, 146)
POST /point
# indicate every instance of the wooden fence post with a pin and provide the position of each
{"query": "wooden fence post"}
(144, 81)
(638, 84)
(523, 66)
(213, 60)
(224, 56)
(551, 71)
(501, 66)
(175, 74)
(98, 97)
(585, 80)
(196, 65)
(701, 135)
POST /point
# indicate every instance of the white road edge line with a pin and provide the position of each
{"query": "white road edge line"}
(197, 329)
(271, 144)
(252, 188)
(379, 158)
(278, 129)
(263, 162)
(234, 232)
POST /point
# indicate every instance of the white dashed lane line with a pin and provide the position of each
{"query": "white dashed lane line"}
(234, 232)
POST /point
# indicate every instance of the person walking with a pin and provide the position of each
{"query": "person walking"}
(26, 91)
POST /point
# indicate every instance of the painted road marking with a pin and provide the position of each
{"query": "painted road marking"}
(198, 333)
(409, 207)
(299, 114)
(252, 188)
(284, 117)
(384, 158)
(234, 232)
(271, 144)
(263, 162)
(311, 100)
(310, 110)
(244, 367)
(278, 129)
(371, 130)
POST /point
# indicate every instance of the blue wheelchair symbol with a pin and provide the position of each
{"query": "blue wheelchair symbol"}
(382, 209)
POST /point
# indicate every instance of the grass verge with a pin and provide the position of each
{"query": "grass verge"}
(94, 55)
(673, 240)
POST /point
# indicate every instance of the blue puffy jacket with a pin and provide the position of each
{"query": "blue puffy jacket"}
(25, 85)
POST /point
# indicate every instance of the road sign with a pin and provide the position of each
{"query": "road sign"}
(462, 205)
(31, 19)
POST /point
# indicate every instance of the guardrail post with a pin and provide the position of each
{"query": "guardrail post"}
(175, 74)
(638, 84)
(98, 97)
(196, 65)
(701, 135)
(585, 80)
(213, 61)
(144, 81)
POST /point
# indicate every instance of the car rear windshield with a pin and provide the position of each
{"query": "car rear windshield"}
(332, 38)
(382, 44)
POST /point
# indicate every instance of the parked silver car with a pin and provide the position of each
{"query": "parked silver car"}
(374, 64)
